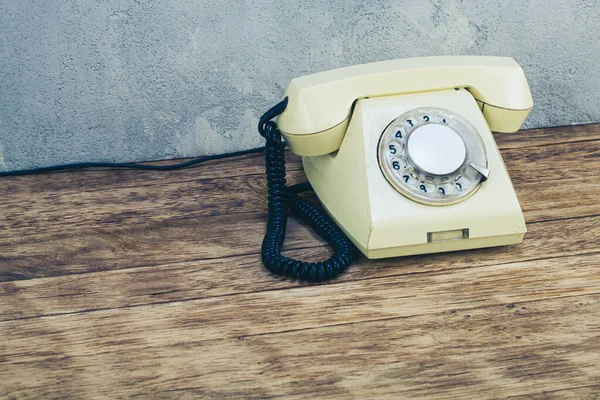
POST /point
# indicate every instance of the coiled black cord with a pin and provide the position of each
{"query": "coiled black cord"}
(282, 199)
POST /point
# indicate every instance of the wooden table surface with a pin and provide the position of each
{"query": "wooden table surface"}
(120, 283)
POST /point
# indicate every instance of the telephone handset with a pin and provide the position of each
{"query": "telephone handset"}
(400, 154)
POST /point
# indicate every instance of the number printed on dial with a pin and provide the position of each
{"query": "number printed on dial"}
(432, 156)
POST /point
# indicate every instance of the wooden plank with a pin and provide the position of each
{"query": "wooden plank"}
(135, 245)
(548, 136)
(307, 307)
(131, 205)
(571, 198)
(475, 352)
(553, 163)
(179, 281)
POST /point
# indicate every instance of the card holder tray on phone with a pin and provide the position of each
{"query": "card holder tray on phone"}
(401, 155)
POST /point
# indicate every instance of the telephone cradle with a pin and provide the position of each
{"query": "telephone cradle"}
(401, 155)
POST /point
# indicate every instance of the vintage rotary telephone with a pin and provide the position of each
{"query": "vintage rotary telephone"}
(401, 155)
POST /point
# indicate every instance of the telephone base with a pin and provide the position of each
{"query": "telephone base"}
(382, 222)
(434, 247)
(439, 247)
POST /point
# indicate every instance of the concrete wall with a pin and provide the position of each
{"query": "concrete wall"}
(126, 80)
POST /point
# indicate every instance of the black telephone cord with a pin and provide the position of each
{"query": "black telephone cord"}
(283, 199)
(150, 167)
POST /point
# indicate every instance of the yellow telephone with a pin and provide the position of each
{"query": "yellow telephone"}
(401, 155)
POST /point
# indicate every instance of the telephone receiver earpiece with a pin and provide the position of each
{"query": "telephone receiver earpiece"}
(320, 105)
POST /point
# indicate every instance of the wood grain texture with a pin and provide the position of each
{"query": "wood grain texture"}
(239, 274)
(142, 284)
(126, 227)
(548, 136)
(475, 352)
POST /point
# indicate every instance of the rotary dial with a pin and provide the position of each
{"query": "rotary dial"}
(433, 156)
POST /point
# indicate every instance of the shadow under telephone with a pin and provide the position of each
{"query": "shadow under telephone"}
(401, 155)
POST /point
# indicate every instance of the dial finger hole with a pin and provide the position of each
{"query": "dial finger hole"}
(394, 148)
(426, 187)
(460, 185)
(399, 164)
(409, 177)
(398, 133)
(445, 189)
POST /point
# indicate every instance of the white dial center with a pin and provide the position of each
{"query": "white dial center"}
(436, 149)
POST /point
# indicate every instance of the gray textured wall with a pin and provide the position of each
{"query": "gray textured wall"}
(84, 80)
